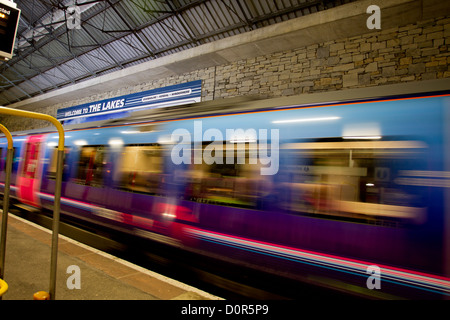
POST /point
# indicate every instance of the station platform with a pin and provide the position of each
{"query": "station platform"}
(101, 276)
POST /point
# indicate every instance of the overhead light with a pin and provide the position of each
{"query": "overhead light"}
(166, 139)
(362, 131)
(80, 142)
(362, 137)
(370, 184)
(115, 142)
(242, 140)
(57, 137)
(306, 120)
(52, 144)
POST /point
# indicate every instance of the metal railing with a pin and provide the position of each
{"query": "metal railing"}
(57, 202)
(8, 169)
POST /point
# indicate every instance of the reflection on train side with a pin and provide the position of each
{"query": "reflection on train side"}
(354, 179)
(51, 171)
(90, 166)
(140, 168)
(232, 182)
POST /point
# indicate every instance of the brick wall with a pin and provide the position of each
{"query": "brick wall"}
(413, 52)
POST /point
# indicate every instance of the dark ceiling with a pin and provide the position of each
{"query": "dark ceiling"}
(54, 49)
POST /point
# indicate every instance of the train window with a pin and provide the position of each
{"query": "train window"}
(90, 166)
(51, 172)
(354, 180)
(15, 162)
(140, 168)
(237, 184)
(4, 156)
(3, 164)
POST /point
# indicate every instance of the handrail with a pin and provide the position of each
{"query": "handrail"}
(39, 116)
(57, 202)
(8, 136)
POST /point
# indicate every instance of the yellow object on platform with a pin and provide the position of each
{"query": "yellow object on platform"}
(41, 295)
(3, 287)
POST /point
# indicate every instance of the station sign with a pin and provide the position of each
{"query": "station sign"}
(122, 106)
(9, 21)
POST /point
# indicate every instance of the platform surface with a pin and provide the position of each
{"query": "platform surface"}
(100, 275)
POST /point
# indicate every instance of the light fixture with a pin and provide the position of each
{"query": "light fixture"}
(115, 142)
(80, 143)
(306, 120)
(242, 139)
(362, 137)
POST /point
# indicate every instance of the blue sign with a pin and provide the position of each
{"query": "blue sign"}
(122, 106)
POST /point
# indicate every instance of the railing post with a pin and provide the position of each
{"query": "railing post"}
(9, 159)
(59, 171)
(57, 204)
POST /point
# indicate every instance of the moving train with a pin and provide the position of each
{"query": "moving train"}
(345, 192)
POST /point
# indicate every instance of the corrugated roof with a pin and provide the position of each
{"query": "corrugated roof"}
(115, 34)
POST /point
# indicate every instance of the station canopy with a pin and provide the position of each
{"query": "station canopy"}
(63, 42)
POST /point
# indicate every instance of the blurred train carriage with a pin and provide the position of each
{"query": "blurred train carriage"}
(357, 183)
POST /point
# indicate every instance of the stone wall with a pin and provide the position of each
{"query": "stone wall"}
(410, 53)
(413, 52)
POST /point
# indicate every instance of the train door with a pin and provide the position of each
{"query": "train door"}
(29, 175)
